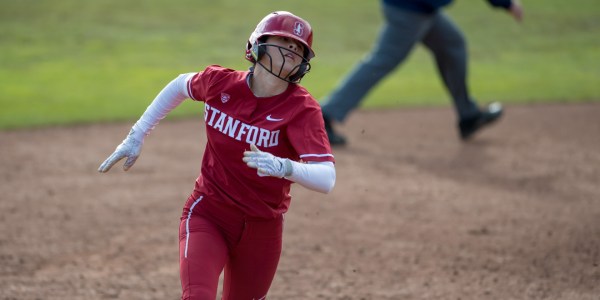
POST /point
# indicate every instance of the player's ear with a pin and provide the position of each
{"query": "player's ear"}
(258, 49)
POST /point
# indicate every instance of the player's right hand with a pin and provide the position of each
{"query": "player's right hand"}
(130, 148)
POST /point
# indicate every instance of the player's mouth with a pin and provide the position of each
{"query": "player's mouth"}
(290, 56)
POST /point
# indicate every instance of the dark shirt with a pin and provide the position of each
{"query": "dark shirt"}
(430, 6)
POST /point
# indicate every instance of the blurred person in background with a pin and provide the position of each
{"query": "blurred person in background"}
(408, 22)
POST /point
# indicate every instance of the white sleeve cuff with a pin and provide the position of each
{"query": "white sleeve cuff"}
(316, 176)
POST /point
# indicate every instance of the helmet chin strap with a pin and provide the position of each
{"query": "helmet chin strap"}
(294, 75)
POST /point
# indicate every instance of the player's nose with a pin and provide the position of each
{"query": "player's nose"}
(293, 46)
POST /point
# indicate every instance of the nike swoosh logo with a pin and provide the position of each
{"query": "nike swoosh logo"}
(269, 118)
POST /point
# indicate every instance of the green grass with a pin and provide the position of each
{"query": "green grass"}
(80, 61)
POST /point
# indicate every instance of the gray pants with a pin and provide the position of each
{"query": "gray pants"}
(401, 32)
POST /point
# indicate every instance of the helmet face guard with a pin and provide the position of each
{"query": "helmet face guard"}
(283, 24)
(294, 75)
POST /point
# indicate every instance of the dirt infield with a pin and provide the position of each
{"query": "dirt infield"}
(415, 214)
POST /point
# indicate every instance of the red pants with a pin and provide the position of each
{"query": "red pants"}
(214, 237)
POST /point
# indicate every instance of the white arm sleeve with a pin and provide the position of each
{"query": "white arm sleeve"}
(170, 97)
(316, 176)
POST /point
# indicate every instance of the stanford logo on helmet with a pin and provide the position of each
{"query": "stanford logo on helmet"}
(298, 29)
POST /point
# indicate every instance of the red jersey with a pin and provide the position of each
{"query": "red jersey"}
(288, 125)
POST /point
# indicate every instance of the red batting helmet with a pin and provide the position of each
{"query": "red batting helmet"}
(285, 24)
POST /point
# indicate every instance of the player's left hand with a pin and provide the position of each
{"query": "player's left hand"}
(267, 164)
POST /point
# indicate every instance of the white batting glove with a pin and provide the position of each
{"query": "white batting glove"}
(267, 164)
(130, 148)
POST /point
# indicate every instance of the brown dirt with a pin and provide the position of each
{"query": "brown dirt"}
(415, 214)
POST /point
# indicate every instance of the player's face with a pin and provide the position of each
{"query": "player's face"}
(287, 57)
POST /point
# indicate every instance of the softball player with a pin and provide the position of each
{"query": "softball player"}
(264, 132)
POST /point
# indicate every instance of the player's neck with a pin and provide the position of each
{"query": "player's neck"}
(265, 84)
